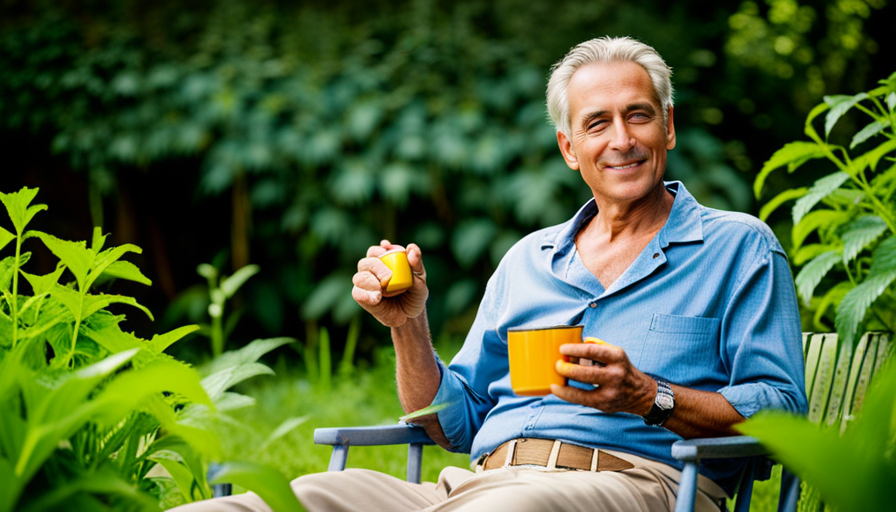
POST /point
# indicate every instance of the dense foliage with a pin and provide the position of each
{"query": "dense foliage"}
(93, 417)
(296, 136)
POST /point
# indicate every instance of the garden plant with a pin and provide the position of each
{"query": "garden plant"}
(96, 418)
(844, 240)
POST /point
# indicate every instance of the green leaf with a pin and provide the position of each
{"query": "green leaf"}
(17, 206)
(814, 220)
(43, 284)
(796, 442)
(74, 255)
(182, 476)
(283, 429)
(792, 155)
(5, 237)
(432, 409)
(218, 382)
(126, 270)
(871, 158)
(822, 188)
(160, 342)
(869, 131)
(839, 104)
(808, 129)
(233, 283)
(104, 259)
(858, 234)
(855, 304)
(809, 251)
(326, 295)
(813, 272)
(884, 256)
(263, 480)
(248, 354)
(94, 303)
(778, 200)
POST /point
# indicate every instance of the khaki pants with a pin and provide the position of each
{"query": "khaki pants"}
(649, 486)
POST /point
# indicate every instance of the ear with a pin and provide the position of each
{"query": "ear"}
(568, 151)
(670, 132)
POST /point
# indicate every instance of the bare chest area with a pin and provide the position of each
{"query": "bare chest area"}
(608, 261)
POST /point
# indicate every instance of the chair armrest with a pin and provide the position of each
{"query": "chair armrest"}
(717, 448)
(401, 433)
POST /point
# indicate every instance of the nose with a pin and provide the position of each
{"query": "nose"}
(622, 138)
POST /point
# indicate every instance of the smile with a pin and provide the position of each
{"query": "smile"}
(623, 167)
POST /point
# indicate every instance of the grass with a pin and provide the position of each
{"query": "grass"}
(367, 396)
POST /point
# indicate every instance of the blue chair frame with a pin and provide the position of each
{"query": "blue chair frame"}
(690, 452)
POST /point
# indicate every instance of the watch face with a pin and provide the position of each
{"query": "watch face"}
(665, 401)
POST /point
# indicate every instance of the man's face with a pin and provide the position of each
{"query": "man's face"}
(618, 139)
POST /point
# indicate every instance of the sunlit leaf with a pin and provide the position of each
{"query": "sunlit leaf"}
(5, 237)
(812, 274)
(839, 104)
(858, 234)
(855, 304)
(74, 255)
(820, 189)
(815, 220)
(265, 481)
(17, 206)
(792, 155)
(869, 131)
(778, 200)
(233, 283)
(126, 270)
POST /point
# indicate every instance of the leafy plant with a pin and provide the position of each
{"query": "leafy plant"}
(220, 289)
(88, 411)
(844, 225)
(855, 471)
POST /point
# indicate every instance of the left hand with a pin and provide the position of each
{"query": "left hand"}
(620, 387)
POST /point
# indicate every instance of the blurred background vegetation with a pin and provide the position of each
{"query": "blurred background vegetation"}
(293, 135)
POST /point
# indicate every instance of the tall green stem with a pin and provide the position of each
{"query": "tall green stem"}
(15, 292)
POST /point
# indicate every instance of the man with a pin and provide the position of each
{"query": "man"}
(696, 307)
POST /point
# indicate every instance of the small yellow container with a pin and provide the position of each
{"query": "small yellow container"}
(533, 352)
(402, 278)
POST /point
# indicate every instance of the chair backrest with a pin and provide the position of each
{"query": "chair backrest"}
(837, 377)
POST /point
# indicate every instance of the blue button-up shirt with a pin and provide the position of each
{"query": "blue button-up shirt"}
(708, 304)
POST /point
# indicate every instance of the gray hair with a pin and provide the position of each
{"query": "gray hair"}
(606, 49)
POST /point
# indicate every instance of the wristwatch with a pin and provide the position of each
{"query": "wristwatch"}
(663, 405)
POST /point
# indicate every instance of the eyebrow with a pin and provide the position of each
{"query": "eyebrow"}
(591, 116)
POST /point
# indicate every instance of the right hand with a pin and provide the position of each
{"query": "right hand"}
(395, 308)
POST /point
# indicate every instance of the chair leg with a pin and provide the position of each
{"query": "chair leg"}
(790, 492)
(687, 490)
(415, 462)
(338, 457)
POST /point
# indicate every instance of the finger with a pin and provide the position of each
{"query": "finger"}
(589, 374)
(375, 251)
(367, 281)
(366, 298)
(377, 268)
(572, 395)
(415, 259)
(603, 351)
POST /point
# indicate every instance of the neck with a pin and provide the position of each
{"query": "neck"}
(642, 217)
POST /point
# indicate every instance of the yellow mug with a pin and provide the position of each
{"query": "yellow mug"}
(533, 352)
(397, 261)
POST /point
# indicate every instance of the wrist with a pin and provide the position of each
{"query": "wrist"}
(663, 405)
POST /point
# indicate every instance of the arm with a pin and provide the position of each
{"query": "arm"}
(623, 388)
(417, 372)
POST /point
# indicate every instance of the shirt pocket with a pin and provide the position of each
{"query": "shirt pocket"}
(681, 349)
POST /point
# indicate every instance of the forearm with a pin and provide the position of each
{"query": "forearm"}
(417, 372)
(702, 414)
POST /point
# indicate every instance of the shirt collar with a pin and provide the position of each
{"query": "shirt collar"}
(683, 225)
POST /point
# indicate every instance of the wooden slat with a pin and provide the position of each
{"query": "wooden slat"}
(859, 373)
(811, 350)
(824, 377)
(839, 384)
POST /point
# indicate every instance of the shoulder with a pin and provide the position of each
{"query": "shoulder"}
(721, 226)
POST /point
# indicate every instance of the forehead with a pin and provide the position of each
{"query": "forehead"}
(603, 84)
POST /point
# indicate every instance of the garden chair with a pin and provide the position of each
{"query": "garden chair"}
(836, 381)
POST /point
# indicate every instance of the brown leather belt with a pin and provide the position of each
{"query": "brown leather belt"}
(552, 454)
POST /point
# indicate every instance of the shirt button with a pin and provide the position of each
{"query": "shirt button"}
(656, 255)
(592, 305)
